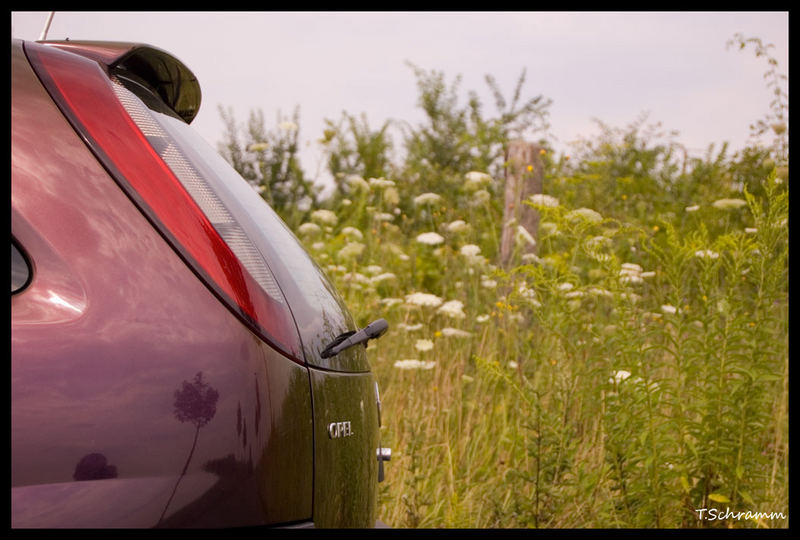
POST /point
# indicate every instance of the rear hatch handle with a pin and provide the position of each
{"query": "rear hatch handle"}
(373, 330)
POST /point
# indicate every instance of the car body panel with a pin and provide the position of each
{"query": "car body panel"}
(112, 331)
(346, 495)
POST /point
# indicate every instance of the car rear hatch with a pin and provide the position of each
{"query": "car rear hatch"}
(237, 245)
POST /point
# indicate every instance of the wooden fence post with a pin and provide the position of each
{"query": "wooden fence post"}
(524, 172)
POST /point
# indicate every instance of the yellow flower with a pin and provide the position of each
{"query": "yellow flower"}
(655, 228)
(437, 334)
(624, 197)
(542, 151)
(530, 168)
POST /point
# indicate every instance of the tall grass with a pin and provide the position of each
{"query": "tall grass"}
(631, 373)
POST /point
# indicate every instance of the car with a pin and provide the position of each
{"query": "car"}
(177, 358)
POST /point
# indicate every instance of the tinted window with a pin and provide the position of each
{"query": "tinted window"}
(318, 310)
(20, 269)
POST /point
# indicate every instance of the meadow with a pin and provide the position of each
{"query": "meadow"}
(628, 367)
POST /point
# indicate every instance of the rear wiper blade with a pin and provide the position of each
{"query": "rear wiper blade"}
(373, 330)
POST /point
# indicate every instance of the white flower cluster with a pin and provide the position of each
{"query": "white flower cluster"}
(352, 232)
(630, 273)
(453, 309)
(308, 229)
(586, 214)
(457, 226)
(423, 345)
(540, 199)
(728, 204)
(427, 198)
(430, 238)
(524, 237)
(423, 299)
(414, 364)
(476, 180)
(454, 332)
(324, 217)
(706, 254)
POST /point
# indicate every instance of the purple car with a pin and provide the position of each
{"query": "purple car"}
(177, 358)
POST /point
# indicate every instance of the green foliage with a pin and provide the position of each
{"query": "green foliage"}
(631, 372)
(777, 120)
(268, 160)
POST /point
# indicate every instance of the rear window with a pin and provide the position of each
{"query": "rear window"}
(318, 310)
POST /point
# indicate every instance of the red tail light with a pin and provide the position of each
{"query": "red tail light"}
(212, 245)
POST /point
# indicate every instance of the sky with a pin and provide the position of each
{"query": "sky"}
(610, 66)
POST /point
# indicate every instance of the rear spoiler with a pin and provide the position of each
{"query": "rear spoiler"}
(168, 77)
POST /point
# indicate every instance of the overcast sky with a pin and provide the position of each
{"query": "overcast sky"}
(612, 66)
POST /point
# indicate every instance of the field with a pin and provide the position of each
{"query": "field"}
(627, 368)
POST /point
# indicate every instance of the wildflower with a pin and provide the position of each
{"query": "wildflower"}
(380, 182)
(531, 258)
(513, 365)
(351, 249)
(324, 217)
(481, 196)
(530, 168)
(373, 269)
(346, 202)
(455, 332)
(586, 214)
(423, 345)
(482, 318)
(703, 253)
(475, 180)
(382, 216)
(619, 376)
(548, 227)
(356, 276)
(257, 147)
(655, 228)
(750, 230)
(487, 283)
(542, 152)
(430, 238)
(456, 226)
(647, 274)
(414, 364)
(631, 268)
(309, 229)
(565, 286)
(389, 302)
(540, 199)
(353, 232)
(380, 278)
(356, 183)
(423, 299)
(666, 308)
(452, 308)
(427, 198)
(318, 246)
(599, 291)
(727, 204)
(694, 208)
(523, 236)
(630, 278)
(470, 250)
(336, 268)
(410, 327)
(287, 126)
(467, 378)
